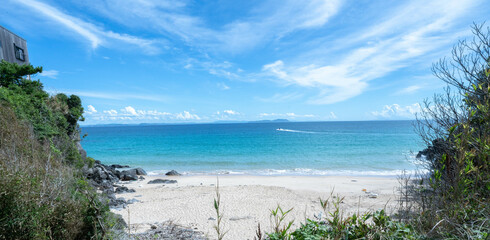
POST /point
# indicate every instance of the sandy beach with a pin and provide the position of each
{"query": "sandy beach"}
(247, 200)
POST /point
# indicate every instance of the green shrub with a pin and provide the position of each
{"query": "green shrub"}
(453, 199)
(375, 225)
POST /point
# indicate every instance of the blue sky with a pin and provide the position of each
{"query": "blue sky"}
(152, 61)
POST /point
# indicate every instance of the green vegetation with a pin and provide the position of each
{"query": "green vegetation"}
(454, 200)
(219, 215)
(43, 194)
(334, 226)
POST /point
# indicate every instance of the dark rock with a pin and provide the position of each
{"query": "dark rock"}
(124, 189)
(105, 185)
(119, 166)
(140, 171)
(118, 202)
(117, 173)
(129, 172)
(128, 177)
(97, 161)
(157, 181)
(112, 196)
(141, 178)
(173, 173)
(169, 230)
(102, 175)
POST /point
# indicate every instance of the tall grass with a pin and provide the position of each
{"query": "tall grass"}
(219, 213)
(40, 196)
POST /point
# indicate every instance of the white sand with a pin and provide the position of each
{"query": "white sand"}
(247, 200)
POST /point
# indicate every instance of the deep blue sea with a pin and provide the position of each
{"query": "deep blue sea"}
(292, 148)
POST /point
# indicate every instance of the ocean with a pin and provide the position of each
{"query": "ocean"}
(366, 148)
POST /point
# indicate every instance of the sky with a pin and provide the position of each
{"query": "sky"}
(159, 61)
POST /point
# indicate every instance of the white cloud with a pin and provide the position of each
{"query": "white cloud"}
(90, 110)
(278, 97)
(267, 21)
(275, 22)
(288, 115)
(130, 114)
(129, 110)
(110, 95)
(49, 73)
(336, 82)
(111, 112)
(187, 116)
(230, 112)
(332, 115)
(409, 89)
(397, 111)
(223, 86)
(90, 32)
(400, 40)
(270, 114)
(226, 115)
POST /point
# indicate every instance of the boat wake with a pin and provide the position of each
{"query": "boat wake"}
(295, 131)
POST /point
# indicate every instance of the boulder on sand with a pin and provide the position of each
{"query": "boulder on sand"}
(157, 181)
(173, 173)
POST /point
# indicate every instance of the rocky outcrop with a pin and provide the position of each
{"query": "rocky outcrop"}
(165, 181)
(435, 150)
(101, 173)
(119, 166)
(104, 178)
(173, 173)
(166, 230)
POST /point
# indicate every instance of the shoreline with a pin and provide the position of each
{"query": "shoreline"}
(293, 173)
(247, 200)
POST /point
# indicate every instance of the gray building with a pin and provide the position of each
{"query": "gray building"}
(12, 47)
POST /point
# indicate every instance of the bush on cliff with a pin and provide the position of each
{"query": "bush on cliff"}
(42, 192)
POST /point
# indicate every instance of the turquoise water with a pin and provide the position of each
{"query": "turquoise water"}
(291, 148)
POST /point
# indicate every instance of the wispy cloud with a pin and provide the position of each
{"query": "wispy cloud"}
(223, 86)
(267, 22)
(111, 96)
(331, 116)
(96, 36)
(49, 73)
(376, 51)
(281, 97)
(395, 111)
(275, 22)
(409, 90)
